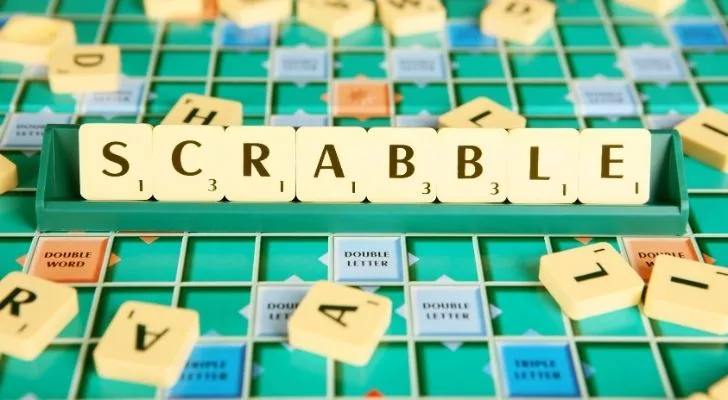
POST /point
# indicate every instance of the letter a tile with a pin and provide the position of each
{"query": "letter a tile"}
(688, 293)
(147, 344)
(33, 311)
(340, 322)
(590, 280)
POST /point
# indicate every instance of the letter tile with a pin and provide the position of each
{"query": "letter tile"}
(658, 8)
(614, 166)
(28, 39)
(33, 311)
(115, 161)
(340, 322)
(337, 18)
(518, 21)
(590, 280)
(472, 165)
(85, 69)
(174, 9)
(688, 293)
(260, 163)
(195, 109)
(404, 168)
(147, 344)
(248, 13)
(719, 390)
(411, 17)
(187, 163)
(8, 175)
(481, 113)
(543, 165)
(705, 137)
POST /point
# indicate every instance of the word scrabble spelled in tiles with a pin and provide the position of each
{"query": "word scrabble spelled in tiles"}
(518, 21)
(411, 17)
(85, 69)
(590, 280)
(334, 164)
(340, 322)
(30, 39)
(33, 311)
(147, 344)
(336, 18)
(688, 293)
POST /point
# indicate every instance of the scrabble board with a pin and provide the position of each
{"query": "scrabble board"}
(470, 318)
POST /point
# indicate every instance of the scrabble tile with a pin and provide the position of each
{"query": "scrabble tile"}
(518, 21)
(85, 69)
(340, 322)
(29, 40)
(719, 390)
(411, 17)
(590, 280)
(194, 109)
(688, 293)
(69, 259)
(614, 166)
(404, 171)
(642, 251)
(174, 9)
(33, 311)
(473, 166)
(699, 396)
(330, 164)
(186, 164)
(481, 113)
(8, 175)
(262, 163)
(337, 18)
(147, 344)
(115, 161)
(543, 166)
(659, 8)
(249, 13)
(705, 137)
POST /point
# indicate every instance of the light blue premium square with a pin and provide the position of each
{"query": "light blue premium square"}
(299, 120)
(418, 65)
(274, 306)
(416, 121)
(25, 130)
(652, 64)
(603, 98)
(467, 35)
(297, 64)
(368, 259)
(448, 311)
(539, 370)
(699, 34)
(231, 35)
(125, 101)
(212, 371)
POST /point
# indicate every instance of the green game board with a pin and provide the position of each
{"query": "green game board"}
(602, 66)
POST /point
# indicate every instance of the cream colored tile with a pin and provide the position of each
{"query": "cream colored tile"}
(472, 165)
(33, 311)
(194, 109)
(705, 137)
(481, 113)
(28, 39)
(174, 9)
(518, 21)
(248, 13)
(187, 163)
(614, 166)
(688, 293)
(719, 390)
(8, 175)
(543, 165)
(80, 69)
(330, 164)
(659, 8)
(115, 161)
(590, 280)
(411, 17)
(337, 18)
(260, 163)
(147, 344)
(340, 322)
(403, 171)
(699, 396)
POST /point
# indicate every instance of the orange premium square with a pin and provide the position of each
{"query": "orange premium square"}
(361, 100)
(69, 259)
(642, 252)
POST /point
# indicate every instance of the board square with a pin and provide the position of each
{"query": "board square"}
(69, 259)
(467, 35)
(25, 130)
(125, 101)
(605, 98)
(366, 259)
(299, 120)
(361, 99)
(212, 371)
(300, 64)
(274, 307)
(699, 34)
(652, 64)
(416, 121)
(642, 252)
(231, 35)
(538, 369)
(420, 65)
(448, 311)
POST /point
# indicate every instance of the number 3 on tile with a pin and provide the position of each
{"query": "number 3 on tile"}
(426, 189)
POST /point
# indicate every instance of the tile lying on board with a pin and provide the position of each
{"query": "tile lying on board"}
(249, 13)
(481, 113)
(195, 109)
(411, 17)
(80, 69)
(705, 137)
(337, 18)
(30, 39)
(522, 21)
